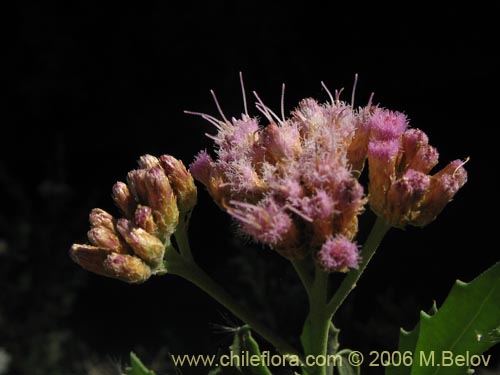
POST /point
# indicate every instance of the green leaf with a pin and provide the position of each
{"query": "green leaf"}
(243, 342)
(137, 367)
(344, 366)
(466, 325)
(333, 339)
(333, 344)
(407, 344)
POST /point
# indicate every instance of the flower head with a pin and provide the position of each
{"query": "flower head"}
(292, 183)
(338, 254)
(288, 182)
(387, 125)
(267, 222)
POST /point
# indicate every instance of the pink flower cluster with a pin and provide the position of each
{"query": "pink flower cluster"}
(292, 183)
(400, 159)
(289, 184)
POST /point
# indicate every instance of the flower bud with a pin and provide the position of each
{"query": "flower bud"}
(100, 218)
(425, 159)
(106, 238)
(148, 161)
(126, 268)
(124, 199)
(162, 201)
(418, 154)
(136, 180)
(145, 246)
(382, 158)
(349, 202)
(443, 187)
(404, 197)
(90, 258)
(144, 219)
(413, 140)
(358, 148)
(181, 181)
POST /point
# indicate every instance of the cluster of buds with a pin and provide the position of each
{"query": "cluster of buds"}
(400, 159)
(132, 248)
(292, 183)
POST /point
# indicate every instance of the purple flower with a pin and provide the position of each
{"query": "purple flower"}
(293, 182)
(387, 125)
(266, 222)
(283, 181)
(338, 254)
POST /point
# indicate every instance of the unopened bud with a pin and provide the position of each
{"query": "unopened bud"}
(418, 154)
(382, 159)
(126, 268)
(358, 148)
(443, 187)
(181, 181)
(124, 199)
(148, 161)
(100, 218)
(350, 200)
(162, 201)
(413, 140)
(404, 197)
(136, 180)
(90, 258)
(426, 158)
(145, 246)
(106, 238)
(144, 219)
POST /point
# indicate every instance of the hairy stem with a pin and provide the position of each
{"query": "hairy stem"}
(315, 333)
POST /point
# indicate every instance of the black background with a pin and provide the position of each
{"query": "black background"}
(92, 86)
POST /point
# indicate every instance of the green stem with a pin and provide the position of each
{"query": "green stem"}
(303, 273)
(315, 333)
(181, 235)
(377, 233)
(187, 269)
